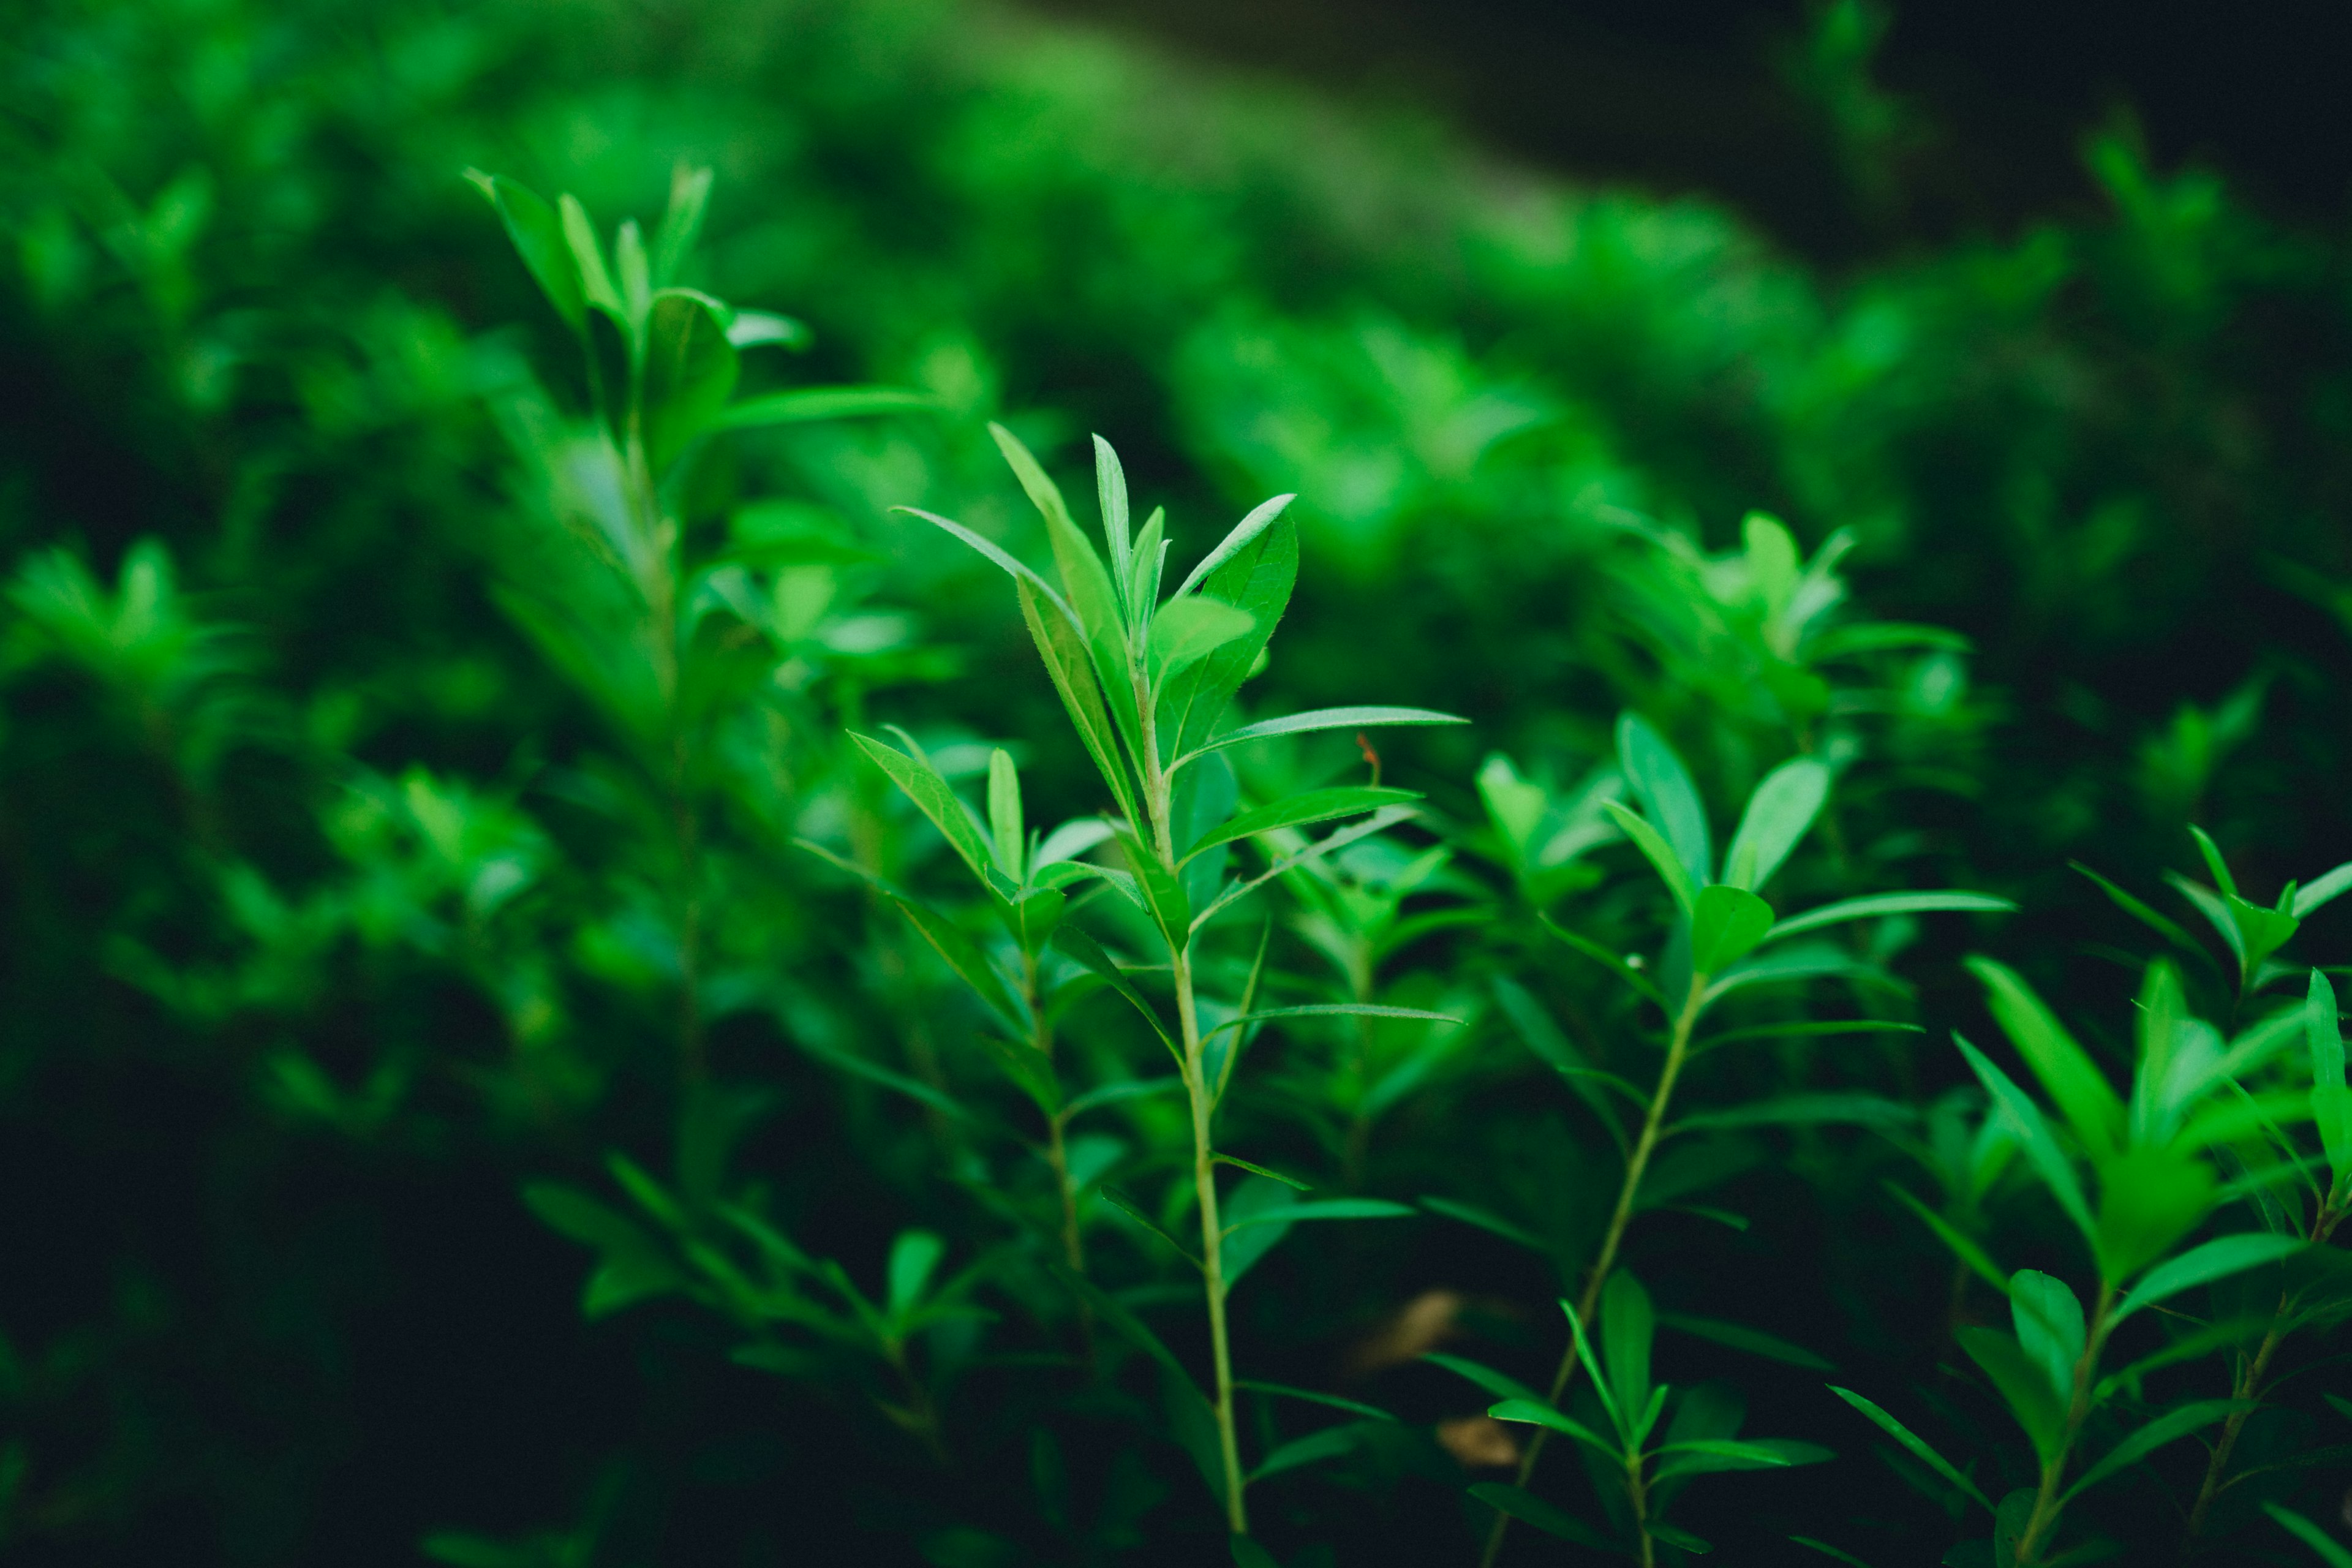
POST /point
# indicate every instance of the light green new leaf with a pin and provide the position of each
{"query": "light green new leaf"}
(1111, 493)
(2331, 1098)
(1299, 810)
(580, 239)
(1918, 1445)
(1083, 576)
(1872, 905)
(1658, 852)
(2083, 1093)
(2216, 1260)
(1008, 836)
(1186, 631)
(1726, 922)
(1778, 814)
(2167, 1427)
(538, 237)
(2049, 1162)
(923, 784)
(1261, 518)
(1658, 777)
(2214, 862)
(1023, 575)
(1320, 718)
(2322, 890)
(689, 195)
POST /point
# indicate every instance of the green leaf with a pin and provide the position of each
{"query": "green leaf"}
(1328, 1444)
(1740, 1337)
(1326, 1208)
(2330, 1551)
(2091, 1106)
(689, 195)
(1778, 814)
(924, 784)
(1659, 852)
(2050, 1162)
(1008, 833)
(1628, 1324)
(1248, 1554)
(1111, 493)
(1535, 1412)
(1681, 1540)
(1499, 1384)
(1912, 1442)
(1320, 718)
(1873, 905)
(1664, 785)
(2216, 911)
(1963, 1246)
(2213, 862)
(2322, 889)
(2331, 1098)
(1299, 810)
(1119, 1091)
(1529, 1508)
(1703, 1455)
(2163, 927)
(1186, 631)
(2167, 1427)
(2024, 1388)
(1834, 1108)
(1028, 580)
(2216, 1260)
(1144, 1221)
(1283, 1390)
(1260, 518)
(1826, 1550)
(1090, 952)
(2050, 1328)
(689, 373)
(1240, 1165)
(1083, 576)
(971, 965)
(1256, 577)
(809, 404)
(1110, 1309)
(2261, 931)
(1593, 950)
(2148, 1199)
(1495, 1223)
(1338, 1010)
(1812, 960)
(580, 239)
(914, 1256)
(1809, 1030)
(1072, 671)
(1255, 1216)
(1726, 922)
(1163, 892)
(538, 237)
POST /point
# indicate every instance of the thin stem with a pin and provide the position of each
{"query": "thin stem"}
(1158, 793)
(1638, 1494)
(1637, 1164)
(2044, 1518)
(2250, 1388)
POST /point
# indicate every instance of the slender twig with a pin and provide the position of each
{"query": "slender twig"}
(1653, 1125)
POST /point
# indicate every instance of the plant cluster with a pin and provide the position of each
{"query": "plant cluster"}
(593, 1005)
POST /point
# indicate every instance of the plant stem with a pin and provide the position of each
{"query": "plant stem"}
(1637, 1164)
(1160, 800)
(2044, 1518)
(2248, 1389)
(1639, 1495)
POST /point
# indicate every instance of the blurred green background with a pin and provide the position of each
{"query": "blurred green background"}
(271, 1067)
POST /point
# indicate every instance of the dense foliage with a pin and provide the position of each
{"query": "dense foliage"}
(627, 940)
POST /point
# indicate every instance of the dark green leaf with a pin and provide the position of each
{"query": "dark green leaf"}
(1529, 1508)
(1740, 1337)
(1726, 922)
(1918, 1445)
(1320, 718)
(2167, 1427)
(1298, 810)
(538, 237)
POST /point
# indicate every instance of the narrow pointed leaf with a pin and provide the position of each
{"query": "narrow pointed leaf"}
(1528, 1508)
(1088, 951)
(810, 404)
(2169, 1427)
(923, 784)
(1186, 631)
(1300, 810)
(2216, 1260)
(1915, 1444)
(2331, 1098)
(1658, 852)
(1534, 1413)
(2024, 1386)
(2042, 1148)
(1871, 906)
(2169, 929)
(1740, 1337)
(1500, 1385)
(537, 234)
(1261, 518)
(1070, 668)
(1019, 574)
(1322, 719)
(2321, 891)
(2090, 1105)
